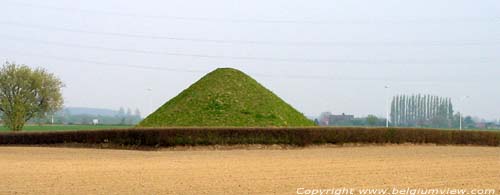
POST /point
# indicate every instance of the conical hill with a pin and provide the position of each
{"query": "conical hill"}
(223, 98)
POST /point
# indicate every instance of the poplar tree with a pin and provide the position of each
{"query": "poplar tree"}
(421, 110)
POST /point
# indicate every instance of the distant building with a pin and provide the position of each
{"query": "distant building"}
(328, 119)
(490, 125)
(337, 119)
(482, 125)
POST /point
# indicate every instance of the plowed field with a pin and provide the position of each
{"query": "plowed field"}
(39, 170)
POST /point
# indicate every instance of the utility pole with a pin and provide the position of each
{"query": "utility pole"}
(460, 113)
(387, 106)
(460, 119)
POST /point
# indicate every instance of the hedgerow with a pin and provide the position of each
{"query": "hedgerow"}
(168, 137)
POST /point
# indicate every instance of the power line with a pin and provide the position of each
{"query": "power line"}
(199, 19)
(253, 42)
(69, 59)
(137, 51)
(294, 76)
(264, 21)
(301, 60)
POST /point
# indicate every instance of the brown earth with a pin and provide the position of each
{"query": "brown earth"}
(39, 170)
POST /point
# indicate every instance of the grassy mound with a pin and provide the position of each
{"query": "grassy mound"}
(226, 97)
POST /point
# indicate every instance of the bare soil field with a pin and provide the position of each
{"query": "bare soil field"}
(40, 170)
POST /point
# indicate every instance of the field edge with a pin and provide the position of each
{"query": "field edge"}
(137, 138)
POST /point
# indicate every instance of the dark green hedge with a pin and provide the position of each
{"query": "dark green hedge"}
(165, 137)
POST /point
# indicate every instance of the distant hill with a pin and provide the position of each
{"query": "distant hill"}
(84, 115)
(90, 111)
(226, 97)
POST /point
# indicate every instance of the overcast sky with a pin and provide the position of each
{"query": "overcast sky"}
(317, 55)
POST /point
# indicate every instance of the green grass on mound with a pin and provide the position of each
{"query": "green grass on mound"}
(226, 97)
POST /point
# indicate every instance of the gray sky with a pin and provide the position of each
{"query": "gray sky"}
(317, 55)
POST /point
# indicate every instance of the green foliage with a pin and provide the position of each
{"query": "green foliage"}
(26, 93)
(421, 111)
(371, 120)
(468, 122)
(226, 97)
(167, 137)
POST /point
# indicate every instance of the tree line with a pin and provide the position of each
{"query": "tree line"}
(122, 117)
(421, 110)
